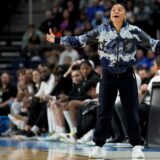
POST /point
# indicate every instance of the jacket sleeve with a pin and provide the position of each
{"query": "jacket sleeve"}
(146, 41)
(79, 41)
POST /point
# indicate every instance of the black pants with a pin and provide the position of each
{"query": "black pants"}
(121, 116)
(109, 86)
(38, 114)
(42, 121)
(144, 117)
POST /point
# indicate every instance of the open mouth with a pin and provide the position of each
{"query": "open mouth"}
(116, 16)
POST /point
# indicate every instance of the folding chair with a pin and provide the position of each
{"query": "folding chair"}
(153, 136)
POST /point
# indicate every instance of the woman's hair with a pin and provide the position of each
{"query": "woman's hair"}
(86, 62)
(89, 85)
(61, 69)
(121, 2)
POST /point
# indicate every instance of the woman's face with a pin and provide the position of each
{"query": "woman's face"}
(29, 75)
(85, 70)
(22, 85)
(22, 77)
(118, 14)
(76, 77)
(36, 77)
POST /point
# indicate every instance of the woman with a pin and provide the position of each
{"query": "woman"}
(117, 47)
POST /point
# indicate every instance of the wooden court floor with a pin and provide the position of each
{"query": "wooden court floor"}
(11, 149)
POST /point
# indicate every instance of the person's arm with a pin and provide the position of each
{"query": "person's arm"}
(75, 41)
(78, 62)
(41, 91)
(146, 41)
(7, 102)
(50, 85)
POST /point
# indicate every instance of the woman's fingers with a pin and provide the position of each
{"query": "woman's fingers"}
(50, 38)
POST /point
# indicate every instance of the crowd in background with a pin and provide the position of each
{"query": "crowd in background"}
(59, 99)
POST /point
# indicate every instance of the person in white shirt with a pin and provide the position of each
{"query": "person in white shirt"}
(68, 52)
(48, 78)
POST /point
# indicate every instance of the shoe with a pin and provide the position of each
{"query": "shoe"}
(20, 135)
(21, 132)
(96, 153)
(137, 152)
(43, 136)
(108, 140)
(116, 140)
(90, 143)
(29, 136)
(19, 123)
(7, 133)
(53, 137)
(68, 137)
(35, 129)
(86, 138)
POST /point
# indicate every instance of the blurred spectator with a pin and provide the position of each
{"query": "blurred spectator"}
(140, 56)
(61, 81)
(74, 13)
(99, 19)
(90, 53)
(80, 23)
(87, 26)
(52, 57)
(48, 78)
(21, 74)
(130, 13)
(25, 83)
(142, 12)
(65, 23)
(39, 84)
(88, 72)
(107, 5)
(49, 22)
(145, 61)
(150, 59)
(68, 52)
(144, 75)
(84, 4)
(7, 93)
(57, 13)
(16, 106)
(156, 15)
(93, 9)
(32, 41)
(143, 16)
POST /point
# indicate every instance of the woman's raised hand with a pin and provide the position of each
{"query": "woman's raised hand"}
(50, 37)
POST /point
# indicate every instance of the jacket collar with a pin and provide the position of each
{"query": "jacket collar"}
(125, 24)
